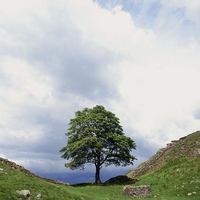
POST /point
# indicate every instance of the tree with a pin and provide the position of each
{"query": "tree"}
(96, 136)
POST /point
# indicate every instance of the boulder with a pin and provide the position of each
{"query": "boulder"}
(119, 179)
(38, 196)
(196, 152)
(25, 193)
(137, 191)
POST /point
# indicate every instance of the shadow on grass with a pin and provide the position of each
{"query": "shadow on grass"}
(119, 180)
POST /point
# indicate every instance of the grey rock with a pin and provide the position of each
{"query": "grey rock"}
(25, 193)
(196, 152)
(38, 196)
(137, 191)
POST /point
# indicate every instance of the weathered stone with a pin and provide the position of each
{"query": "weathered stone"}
(25, 193)
(196, 152)
(137, 191)
(2, 171)
(38, 196)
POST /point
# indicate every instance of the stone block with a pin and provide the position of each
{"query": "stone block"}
(137, 191)
(25, 193)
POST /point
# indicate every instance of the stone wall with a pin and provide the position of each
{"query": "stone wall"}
(137, 191)
(154, 162)
(22, 169)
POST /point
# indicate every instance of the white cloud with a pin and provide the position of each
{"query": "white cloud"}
(26, 80)
(22, 85)
(161, 91)
(113, 30)
(59, 57)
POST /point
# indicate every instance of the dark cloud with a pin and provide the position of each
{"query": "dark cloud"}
(78, 176)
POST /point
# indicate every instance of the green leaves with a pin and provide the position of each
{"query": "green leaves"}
(96, 136)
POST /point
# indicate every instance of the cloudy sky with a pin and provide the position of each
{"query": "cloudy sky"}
(139, 59)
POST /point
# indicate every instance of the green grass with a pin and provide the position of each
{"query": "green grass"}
(175, 180)
(178, 176)
(16, 180)
(103, 192)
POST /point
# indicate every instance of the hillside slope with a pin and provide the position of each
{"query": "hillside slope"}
(173, 171)
(13, 165)
(14, 177)
(188, 147)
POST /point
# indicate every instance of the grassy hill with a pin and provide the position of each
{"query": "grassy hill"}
(14, 177)
(173, 173)
(12, 180)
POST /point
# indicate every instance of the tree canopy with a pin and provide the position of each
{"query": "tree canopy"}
(96, 136)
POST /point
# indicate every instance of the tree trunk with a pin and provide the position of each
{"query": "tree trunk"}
(97, 174)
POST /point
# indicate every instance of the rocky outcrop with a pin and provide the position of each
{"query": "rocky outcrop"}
(22, 169)
(154, 162)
